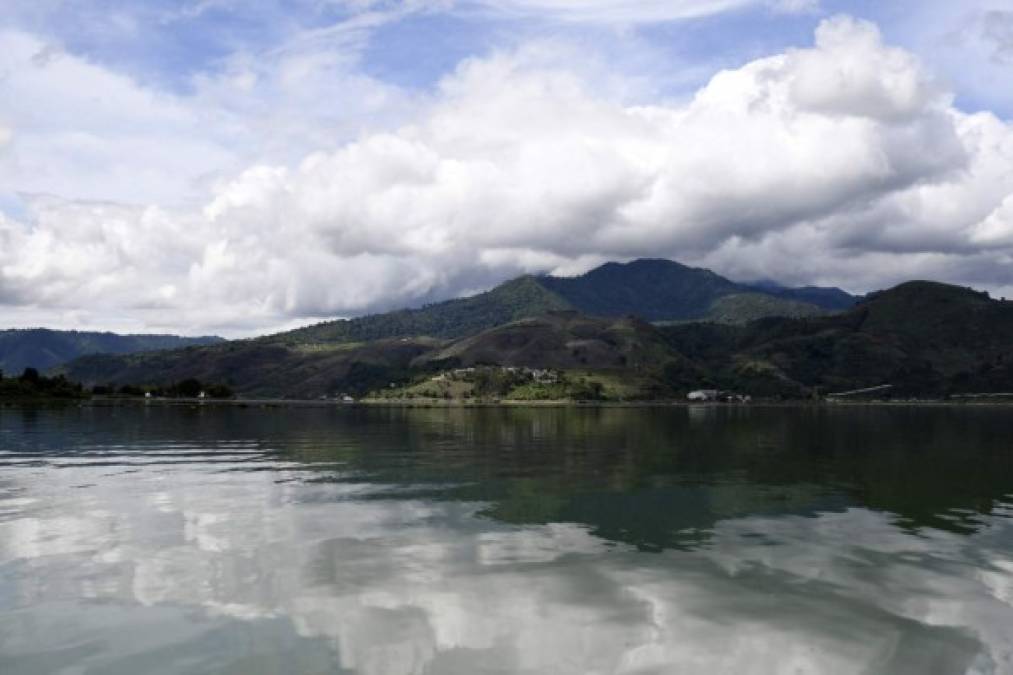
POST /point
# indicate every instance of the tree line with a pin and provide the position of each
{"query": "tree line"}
(188, 388)
(31, 384)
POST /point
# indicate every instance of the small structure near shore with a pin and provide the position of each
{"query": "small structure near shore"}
(717, 396)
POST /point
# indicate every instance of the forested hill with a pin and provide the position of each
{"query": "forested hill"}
(654, 290)
(822, 296)
(925, 339)
(510, 301)
(42, 348)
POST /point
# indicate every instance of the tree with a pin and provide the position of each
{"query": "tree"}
(219, 391)
(189, 388)
(30, 375)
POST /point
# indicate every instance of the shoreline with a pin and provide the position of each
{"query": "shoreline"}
(503, 403)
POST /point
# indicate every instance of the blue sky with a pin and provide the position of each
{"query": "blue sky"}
(169, 42)
(166, 141)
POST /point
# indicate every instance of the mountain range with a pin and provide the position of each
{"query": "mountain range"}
(652, 289)
(642, 330)
(925, 339)
(42, 348)
(656, 290)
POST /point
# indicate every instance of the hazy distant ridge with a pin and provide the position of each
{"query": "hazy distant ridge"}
(43, 348)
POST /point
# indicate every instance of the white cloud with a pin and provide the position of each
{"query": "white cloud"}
(638, 11)
(795, 6)
(83, 131)
(967, 43)
(634, 11)
(844, 163)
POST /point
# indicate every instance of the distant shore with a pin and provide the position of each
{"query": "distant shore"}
(502, 403)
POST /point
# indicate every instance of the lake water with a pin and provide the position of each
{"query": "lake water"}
(449, 541)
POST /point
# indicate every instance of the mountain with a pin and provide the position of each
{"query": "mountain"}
(260, 369)
(833, 299)
(654, 290)
(535, 321)
(924, 338)
(516, 299)
(557, 339)
(43, 349)
(742, 308)
(562, 340)
(663, 291)
(628, 348)
(559, 355)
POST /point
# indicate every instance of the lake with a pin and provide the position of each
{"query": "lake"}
(506, 540)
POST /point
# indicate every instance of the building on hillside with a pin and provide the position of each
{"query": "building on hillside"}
(544, 376)
(703, 395)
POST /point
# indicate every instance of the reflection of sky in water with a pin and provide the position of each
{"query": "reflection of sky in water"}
(165, 562)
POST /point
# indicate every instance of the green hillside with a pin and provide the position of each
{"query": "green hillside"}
(562, 340)
(43, 349)
(742, 308)
(924, 338)
(655, 290)
(507, 302)
(259, 369)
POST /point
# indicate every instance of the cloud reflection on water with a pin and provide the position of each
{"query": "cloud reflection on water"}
(175, 567)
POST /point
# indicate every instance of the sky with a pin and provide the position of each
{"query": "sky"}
(237, 168)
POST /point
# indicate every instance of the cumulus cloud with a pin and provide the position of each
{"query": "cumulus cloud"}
(842, 163)
(85, 131)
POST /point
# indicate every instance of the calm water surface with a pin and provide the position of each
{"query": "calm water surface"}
(388, 541)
